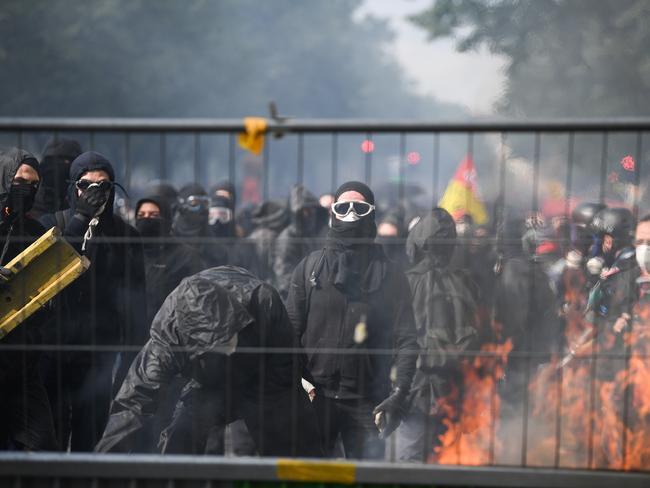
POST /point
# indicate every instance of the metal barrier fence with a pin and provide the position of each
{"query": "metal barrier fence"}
(532, 166)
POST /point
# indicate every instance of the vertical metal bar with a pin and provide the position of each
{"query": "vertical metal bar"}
(335, 162)
(265, 171)
(402, 167)
(592, 403)
(569, 174)
(368, 160)
(231, 159)
(436, 168)
(20, 139)
(637, 172)
(493, 417)
(91, 140)
(196, 168)
(558, 418)
(300, 177)
(603, 167)
(127, 161)
(535, 202)
(163, 156)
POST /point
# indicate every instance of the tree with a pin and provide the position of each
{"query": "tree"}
(224, 58)
(565, 57)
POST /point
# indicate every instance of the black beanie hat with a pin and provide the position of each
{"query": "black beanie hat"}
(358, 187)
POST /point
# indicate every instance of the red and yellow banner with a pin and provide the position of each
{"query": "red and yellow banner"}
(461, 196)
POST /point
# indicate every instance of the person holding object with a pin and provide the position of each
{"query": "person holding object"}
(353, 304)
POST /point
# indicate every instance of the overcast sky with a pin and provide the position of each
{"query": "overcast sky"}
(473, 80)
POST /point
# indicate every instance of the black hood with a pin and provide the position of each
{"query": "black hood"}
(187, 223)
(85, 162)
(58, 154)
(226, 185)
(307, 214)
(10, 160)
(206, 310)
(433, 238)
(270, 215)
(165, 210)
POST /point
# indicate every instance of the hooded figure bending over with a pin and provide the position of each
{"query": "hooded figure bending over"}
(198, 333)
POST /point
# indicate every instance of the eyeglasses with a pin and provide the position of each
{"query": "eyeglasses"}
(361, 208)
(103, 185)
(196, 202)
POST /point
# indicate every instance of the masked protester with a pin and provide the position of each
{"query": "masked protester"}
(349, 296)
(300, 237)
(523, 308)
(268, 219)
(217, 243)
(166, 191)
(51, 197)
(166, 262)
(445, 304)
(25, 414)
(106, 306)
(197, 334)
(391, 235)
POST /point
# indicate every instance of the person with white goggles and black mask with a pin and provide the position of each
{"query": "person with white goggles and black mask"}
(106, 306)
(349, 296)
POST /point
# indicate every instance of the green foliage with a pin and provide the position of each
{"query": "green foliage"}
(225, 58)
(565, 57)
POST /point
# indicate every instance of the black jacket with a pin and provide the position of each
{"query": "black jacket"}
(324, 317)
(107, 305)
(269, 219)
(201, 315)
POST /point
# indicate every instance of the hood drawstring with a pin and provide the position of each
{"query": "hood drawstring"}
(90, 232)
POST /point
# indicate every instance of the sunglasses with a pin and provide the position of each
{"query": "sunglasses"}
(104, 185)
(196, 202)
(359, 207)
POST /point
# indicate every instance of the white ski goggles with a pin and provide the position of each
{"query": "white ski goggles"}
(359, 207)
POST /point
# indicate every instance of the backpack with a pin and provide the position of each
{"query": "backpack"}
(445, 305)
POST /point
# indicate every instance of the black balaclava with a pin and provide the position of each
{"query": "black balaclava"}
(365, 227)
(91, 161)
(227, 186)
(15, 199)
(432, 240)
(154, 228)
(58, 154)
(188, 221)
(358, 268)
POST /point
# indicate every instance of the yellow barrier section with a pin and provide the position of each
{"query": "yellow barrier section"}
(295, 470)
(38, 274)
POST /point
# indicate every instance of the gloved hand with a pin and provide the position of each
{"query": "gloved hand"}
(389, 413)
(90, 202)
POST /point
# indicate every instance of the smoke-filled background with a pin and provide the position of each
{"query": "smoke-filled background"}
(406, 59)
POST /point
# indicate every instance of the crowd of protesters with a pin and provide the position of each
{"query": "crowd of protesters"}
(317, 326)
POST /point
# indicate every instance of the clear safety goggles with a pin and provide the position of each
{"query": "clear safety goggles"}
(196, 202)
(359, 207)
(220, 214)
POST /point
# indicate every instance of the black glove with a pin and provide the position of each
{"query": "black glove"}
(91, 201)
(389, 413)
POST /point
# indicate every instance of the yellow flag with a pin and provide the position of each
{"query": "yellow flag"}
(253, 139)
(461, 195)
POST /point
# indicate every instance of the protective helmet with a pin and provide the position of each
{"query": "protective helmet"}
(584, 213)
(616, 222)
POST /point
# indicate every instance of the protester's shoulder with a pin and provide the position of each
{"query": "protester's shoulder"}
(124, 228)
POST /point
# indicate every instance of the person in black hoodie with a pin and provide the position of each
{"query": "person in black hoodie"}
(349, 296)
(51, 197)
(166, 262)
(25, 414)
(105, 307)
(268, 219)
(197, 334)
(445, 307)
(300, 237)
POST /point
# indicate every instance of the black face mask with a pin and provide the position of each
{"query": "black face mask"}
(365, 227)
(190, 224)
(151, 227)
(21, 198)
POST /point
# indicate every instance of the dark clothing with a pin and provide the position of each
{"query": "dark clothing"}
(55, 172)
(25, 416)
(199, 318)
(304, 234)
(269, 219)
(324, 317)
(106, 306)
